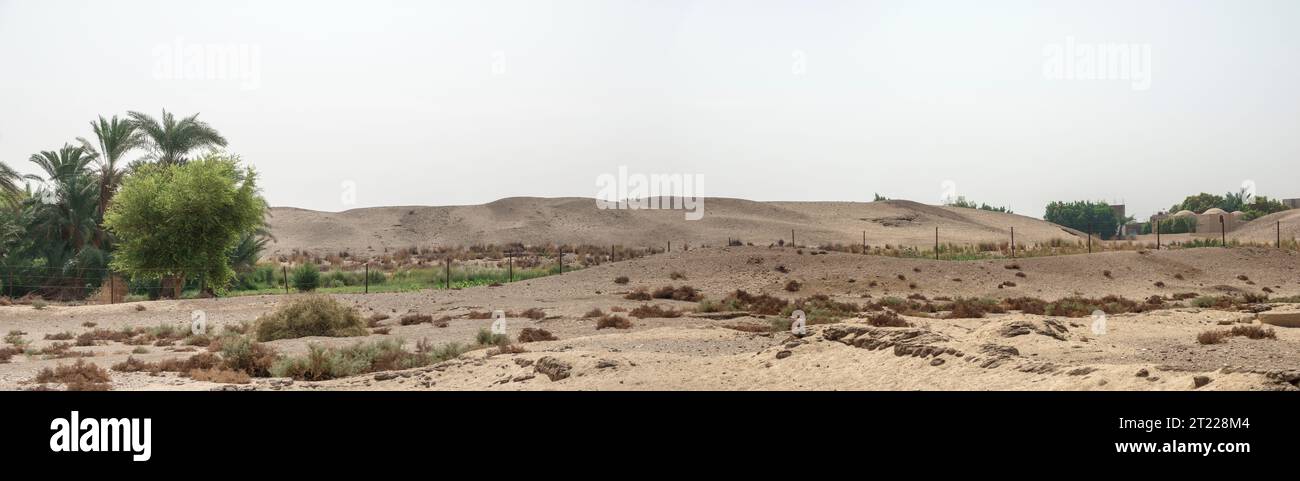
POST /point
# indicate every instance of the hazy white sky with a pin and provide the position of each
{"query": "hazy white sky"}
(458, 102)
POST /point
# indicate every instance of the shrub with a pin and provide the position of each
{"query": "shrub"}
(677, 275)
(243, 355)
(969, 308)
(322, 363)
(683, 293)
(310, 315)
(761, 304)
(648, 311)
(8, 352)
(1212, 337)
(595, 312)
(80, 376)
(415, 318)
(887, 319)
(640, 294)
(533, 334)
(821, 309)
(62, 336)
(621, 280)
(485, 337)
(531, 313)
(1253, 332)
(616, 321)
(792, 285)
(306, 277)
(1027, 305)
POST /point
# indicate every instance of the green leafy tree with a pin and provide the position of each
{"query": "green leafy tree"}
(173, 220)
(171, 141)
(1085, 216)
(1198, 203)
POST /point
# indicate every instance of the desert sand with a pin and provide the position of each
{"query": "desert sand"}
(572, 220)
(1154, 350)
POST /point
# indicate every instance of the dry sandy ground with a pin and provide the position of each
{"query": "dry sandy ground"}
(577, 221)
(1154, 350)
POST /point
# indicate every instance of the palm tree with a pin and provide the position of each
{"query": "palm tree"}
(9, 190)
(62, 216)
(171, 140)
(116, 138)
(68, 206)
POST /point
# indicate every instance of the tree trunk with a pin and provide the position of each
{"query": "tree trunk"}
(172, 286)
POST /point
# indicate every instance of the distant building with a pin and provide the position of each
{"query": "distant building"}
(1291, 203)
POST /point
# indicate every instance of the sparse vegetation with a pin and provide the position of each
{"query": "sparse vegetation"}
(80, 376)
(321, 363)
(534, 334)
(614, 321)
(485, 337)
(683, 293)
(653, 311)
(310, 315)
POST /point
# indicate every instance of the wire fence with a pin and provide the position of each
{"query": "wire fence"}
(104, 285)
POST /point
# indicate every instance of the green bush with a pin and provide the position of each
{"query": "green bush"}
(241, 354)
(312, 315)
(306, 277)
(487, 338)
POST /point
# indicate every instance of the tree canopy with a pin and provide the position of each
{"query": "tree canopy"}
(1097, 217)
(181, 219)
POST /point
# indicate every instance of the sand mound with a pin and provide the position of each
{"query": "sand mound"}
(578, 221)
(1264, 229)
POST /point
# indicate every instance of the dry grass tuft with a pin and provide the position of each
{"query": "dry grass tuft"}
(219, 375)
(653, 311)
(614, 321)
(81, 376)
(535, 334)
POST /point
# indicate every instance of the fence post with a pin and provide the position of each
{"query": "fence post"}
(448, 273)
(1089, 236)
(1157, 223)
(1013, 242)
(791, 237)
(936, 242)
(670, 246)
(512, 267)
(112, 289)
(561, 256)
(1279, 234)
(285, 272)
(864, 242)
(1223, 232)
(367, 278)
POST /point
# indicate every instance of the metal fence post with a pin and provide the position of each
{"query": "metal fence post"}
(285, 270)
(367, 278)
(1013, 242)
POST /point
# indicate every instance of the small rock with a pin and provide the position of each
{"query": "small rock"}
(1199, 381)
(553, 368)
(1143, 372)
(606, 364)
(936, 361)
(384, 376)
(784, 354)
